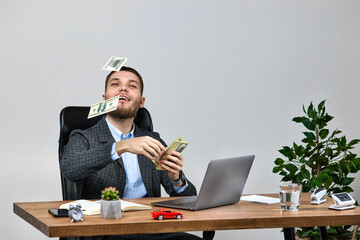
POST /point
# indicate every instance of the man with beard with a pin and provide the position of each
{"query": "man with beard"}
(116, 152)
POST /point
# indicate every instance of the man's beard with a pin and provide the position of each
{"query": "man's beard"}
(128, 112)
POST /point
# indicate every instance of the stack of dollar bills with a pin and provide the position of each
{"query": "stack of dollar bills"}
(178, 145)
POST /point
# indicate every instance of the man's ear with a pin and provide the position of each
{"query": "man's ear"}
(142, 103)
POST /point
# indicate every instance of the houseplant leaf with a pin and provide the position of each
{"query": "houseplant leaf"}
(279, 161)
(324, 133)
(298, 119)
(308, 124)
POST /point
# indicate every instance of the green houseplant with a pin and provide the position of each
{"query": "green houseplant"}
(110, 204)
(323, 159)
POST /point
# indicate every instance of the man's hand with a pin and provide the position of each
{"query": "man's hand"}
(173, 164)
(147, 146)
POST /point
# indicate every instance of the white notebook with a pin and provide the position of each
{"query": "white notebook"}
(93, 207)
(260, 199)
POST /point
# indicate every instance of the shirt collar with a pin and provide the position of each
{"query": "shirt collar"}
(117, 134)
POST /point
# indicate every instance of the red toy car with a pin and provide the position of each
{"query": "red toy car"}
(166, 213)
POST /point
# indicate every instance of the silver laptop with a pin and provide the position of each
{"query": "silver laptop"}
(223, 184)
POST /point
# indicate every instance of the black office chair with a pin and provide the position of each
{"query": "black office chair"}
(76, 118)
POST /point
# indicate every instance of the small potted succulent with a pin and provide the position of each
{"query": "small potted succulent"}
(110, 204)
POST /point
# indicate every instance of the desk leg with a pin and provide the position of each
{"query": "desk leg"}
(323, 233)
(289, 233)
(208, 235)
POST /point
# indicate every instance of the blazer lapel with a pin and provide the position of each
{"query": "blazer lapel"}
(146, 166)
(146, 173)
(105, 136)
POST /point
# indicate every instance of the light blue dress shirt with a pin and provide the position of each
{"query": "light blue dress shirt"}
(134, 187)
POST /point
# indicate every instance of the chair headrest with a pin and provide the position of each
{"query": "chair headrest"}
(75, 117)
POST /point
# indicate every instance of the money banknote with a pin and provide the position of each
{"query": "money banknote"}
(103, 107)
(178, 145)
(114, 64)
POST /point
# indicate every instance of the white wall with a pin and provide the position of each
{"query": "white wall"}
(228, 76)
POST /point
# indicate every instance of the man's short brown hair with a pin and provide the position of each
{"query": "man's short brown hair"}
(127, 69)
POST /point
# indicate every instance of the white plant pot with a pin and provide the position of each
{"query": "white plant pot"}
(110, 209)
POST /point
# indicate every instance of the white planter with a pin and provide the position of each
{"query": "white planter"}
(110, 209)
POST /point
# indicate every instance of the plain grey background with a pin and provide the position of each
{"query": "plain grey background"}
(227, 76)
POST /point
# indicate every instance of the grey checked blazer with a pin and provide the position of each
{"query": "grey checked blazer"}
(87, 162)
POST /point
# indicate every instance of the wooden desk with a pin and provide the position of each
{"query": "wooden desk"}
(243, 215)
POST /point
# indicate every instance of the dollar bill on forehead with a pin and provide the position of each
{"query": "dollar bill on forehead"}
(103, 107)
(115, 64)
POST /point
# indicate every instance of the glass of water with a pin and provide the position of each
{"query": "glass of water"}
(290, 194)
